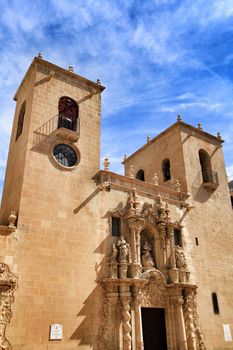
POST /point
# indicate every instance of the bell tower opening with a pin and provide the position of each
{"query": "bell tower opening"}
(154, 328)
(68, 113)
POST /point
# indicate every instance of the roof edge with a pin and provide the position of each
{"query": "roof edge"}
(178, 123)
(52, 66)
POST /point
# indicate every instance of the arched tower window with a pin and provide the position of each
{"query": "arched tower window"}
(205, 166)
(140, 175)
(68, 113)
(166, 170)
(20, 120)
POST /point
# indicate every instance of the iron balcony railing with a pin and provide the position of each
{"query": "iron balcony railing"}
(210, 176)
(56, 122)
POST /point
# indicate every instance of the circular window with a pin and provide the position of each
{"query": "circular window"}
(65, 155)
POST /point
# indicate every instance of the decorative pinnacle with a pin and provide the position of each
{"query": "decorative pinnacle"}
(71, 68)
(178, 185)
(98, 81)
(39, 55)
(148, 138)
(125, 157)
(219, 136)
(106, 164)
(179, 119)
(199, 125)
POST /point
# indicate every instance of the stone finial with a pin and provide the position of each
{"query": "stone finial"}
(39, 55)
(125, 157)
(148, 138)
(178, 185)
(71, 69)
(179, 119)
(131, 171)
(98, 81)
(199, 125)
(106, 164)
(12, 219)
(155, 179)
(219, 136)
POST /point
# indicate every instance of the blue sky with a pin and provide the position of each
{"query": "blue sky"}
(157, 59)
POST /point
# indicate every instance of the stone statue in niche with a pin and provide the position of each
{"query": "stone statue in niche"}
(180, 258)
(114, 253)
(147, 258)
(123, 248)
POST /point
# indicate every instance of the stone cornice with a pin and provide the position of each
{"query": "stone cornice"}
(55, 68)
(109, 180)
(192, 129)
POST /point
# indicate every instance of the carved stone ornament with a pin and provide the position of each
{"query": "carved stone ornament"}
(114, 254)
(148, 213)
(154, 293)
(107, 314)
(192, 321)
(8, 283)
(180, 258)
(147, 258)
(7, 230)
(123, 249)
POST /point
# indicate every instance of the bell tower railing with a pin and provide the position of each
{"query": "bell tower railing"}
(60, 125)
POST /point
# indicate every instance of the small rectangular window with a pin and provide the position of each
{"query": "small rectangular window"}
(196, 240)
(116, 226)
(177, 237)
(215, 303)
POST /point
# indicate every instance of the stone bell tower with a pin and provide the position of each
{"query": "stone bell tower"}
(54, 153)
(53, 106)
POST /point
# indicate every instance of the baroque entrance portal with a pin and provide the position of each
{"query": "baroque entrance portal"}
(148, 272)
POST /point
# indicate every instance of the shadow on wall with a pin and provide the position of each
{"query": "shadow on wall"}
(199, 193)
(87, 332)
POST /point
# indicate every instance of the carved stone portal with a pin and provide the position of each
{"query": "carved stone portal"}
(8, 284)
(147, 270)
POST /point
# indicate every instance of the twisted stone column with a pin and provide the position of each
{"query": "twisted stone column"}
(126, 318)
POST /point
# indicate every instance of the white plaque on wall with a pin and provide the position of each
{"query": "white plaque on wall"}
(227, 332)
(55, 332)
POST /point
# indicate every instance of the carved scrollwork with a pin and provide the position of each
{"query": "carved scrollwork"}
(107, 314)
(148, 213)
(154, 293)
(191, 307)
(8, 283)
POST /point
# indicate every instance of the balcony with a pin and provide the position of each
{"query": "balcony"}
(61, 126)
(210, 179)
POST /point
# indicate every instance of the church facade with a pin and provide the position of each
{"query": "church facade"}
(91, 259)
